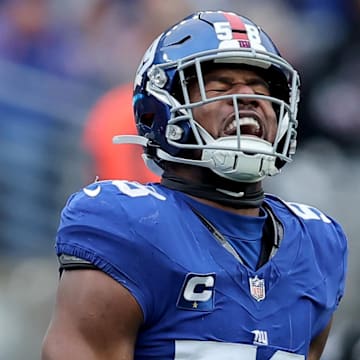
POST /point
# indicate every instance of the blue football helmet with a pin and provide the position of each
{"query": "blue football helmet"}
(164, 113)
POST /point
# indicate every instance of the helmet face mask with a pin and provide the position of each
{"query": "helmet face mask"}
(182, 56)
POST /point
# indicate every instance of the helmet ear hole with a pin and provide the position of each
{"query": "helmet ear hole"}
(147, 119)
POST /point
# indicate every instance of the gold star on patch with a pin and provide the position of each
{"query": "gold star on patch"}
(195, 305)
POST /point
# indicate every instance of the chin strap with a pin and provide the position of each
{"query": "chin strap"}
(228, 193)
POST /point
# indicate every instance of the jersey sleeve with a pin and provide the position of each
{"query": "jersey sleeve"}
(102, 225)
(330, 251)
(332, 255)
(322, 258)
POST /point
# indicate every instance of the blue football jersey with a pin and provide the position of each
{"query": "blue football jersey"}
(198, 300)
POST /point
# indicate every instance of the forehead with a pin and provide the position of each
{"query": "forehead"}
(232, 72)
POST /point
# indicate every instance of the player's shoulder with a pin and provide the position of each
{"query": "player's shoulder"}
(309, 219)
(106, 204)
(107, 223)
(113, 199)
(116, 190)
(300, 212)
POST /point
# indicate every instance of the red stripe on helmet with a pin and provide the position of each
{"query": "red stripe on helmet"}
(238, 27)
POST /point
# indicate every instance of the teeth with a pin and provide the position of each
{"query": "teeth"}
(243, 121)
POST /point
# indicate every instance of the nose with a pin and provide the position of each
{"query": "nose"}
(243, 89)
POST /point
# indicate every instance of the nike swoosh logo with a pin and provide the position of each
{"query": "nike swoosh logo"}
(92, 192)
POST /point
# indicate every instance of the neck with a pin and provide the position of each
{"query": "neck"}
(207, 187)
(246, 212)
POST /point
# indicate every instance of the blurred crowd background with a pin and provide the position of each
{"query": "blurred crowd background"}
(58, 59)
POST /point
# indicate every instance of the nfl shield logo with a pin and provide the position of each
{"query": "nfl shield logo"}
(257, 288)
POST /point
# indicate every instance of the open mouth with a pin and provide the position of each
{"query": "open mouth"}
(248, 126)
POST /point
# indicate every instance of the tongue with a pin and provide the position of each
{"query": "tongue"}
(250, 130)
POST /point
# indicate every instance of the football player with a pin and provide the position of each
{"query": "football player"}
(203, 265)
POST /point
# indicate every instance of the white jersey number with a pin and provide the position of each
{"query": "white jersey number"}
(308, 213)
(212, 350)
(134, 189)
